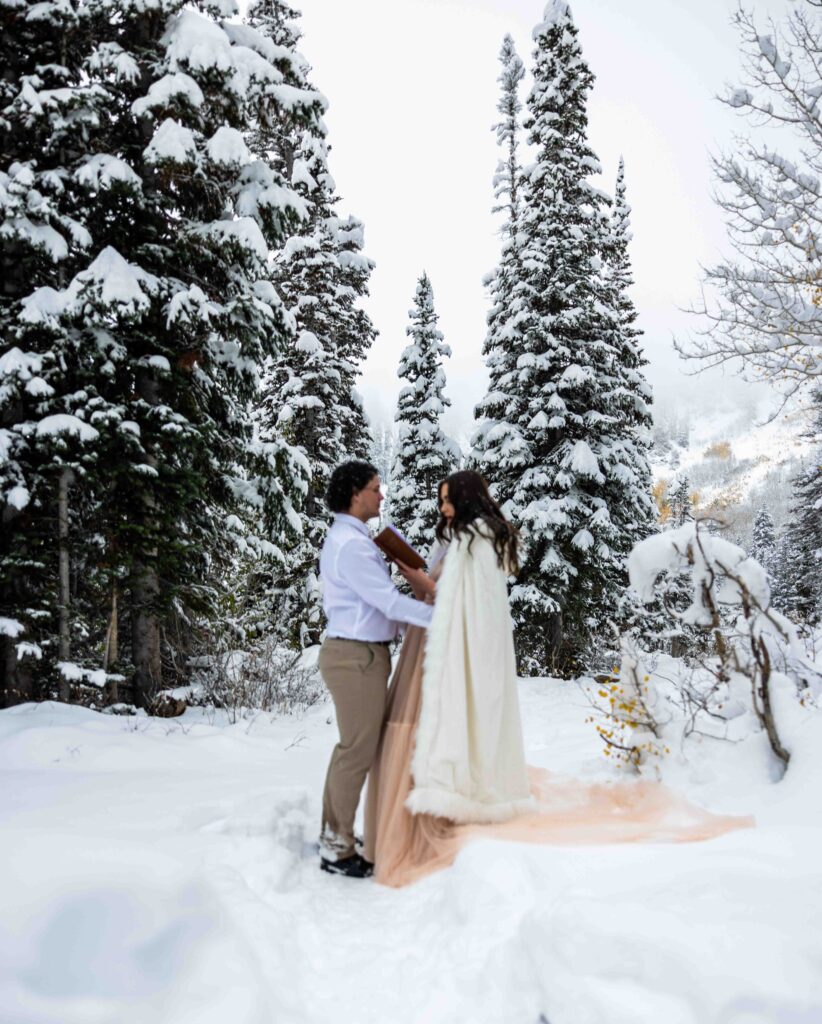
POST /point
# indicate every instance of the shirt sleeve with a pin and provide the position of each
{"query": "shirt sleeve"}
(372, 584)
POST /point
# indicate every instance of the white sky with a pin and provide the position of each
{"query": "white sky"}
(412, 90)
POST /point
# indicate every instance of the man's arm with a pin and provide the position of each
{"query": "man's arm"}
(373, 585)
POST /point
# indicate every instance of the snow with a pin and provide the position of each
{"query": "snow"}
(583, 461)
(101, 170)
(168, 88)
(18, 497)
(11, 627)
(16, 363)
(227, 146)
(308, 343)
(556, 11)
(112, 56)
(171, 141)
(197, 43)
(39, 388)
(159, 870)
(43, 305)
(40, 236)
(249, 37)
(117, 282)
(243, 230)
(64, 423)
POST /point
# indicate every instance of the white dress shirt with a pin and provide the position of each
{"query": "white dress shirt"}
(360, 601)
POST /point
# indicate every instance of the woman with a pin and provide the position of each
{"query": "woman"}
(398, 843)
(451, 766)
(469, 761)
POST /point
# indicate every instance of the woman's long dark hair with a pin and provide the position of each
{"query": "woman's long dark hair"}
(441, 529)
(469, 494)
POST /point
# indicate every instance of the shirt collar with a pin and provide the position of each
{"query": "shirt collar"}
(344, 517)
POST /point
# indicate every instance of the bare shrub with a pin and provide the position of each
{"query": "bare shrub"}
(268, 678)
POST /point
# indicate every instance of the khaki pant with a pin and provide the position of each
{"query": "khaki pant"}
(356, 674)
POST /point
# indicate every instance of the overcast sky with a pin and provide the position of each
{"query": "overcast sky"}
(412, 90)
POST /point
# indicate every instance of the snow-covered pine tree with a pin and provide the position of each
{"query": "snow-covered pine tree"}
(177, 296)
(784, 577)
(424, 455)
(633, 509)
(578, 478)
(310, 402)
(679, 500)
(498, 450)
(801, 578)
(763, 542)
(50, 453)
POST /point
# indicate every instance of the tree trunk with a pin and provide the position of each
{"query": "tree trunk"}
(145, 632)
(112, 651)
(553, 643)
(145, 581)
(64, 599)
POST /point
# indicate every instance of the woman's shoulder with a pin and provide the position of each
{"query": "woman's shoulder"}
(480, 543)
(477, 536)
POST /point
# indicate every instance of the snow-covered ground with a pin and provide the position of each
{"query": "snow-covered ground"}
(161, 871)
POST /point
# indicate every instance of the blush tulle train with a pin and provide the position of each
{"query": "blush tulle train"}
(406, 847)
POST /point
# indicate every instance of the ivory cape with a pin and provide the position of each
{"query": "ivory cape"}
(469, 762)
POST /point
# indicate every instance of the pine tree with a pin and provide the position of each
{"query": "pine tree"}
(579, 478)
(310, 404)
(633, 510)
(763, 542)
(498, 449)
(679, 500)
(51, 453)
(424, 455)
(176, 298)
(800, 584)
(784, 576)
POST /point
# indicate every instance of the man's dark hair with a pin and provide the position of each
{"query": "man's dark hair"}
(347, 478)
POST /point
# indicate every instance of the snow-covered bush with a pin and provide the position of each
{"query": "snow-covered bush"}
(755, 652)
(629, 712)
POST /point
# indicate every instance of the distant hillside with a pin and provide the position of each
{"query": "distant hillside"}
(735, 462)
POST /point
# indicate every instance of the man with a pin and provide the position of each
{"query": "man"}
(364, 611)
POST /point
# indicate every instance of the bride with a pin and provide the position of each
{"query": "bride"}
(451, 765)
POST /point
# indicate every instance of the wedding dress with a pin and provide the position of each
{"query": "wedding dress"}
(450, 766)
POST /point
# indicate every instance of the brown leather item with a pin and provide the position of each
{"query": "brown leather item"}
(393, 544)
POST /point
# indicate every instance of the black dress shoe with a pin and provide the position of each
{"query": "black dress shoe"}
(354, 866)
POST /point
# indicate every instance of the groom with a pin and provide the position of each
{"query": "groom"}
(364, 611)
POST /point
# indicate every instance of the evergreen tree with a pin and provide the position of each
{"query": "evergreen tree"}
(310, 406)
(498, 449)
(424, 455)
(763, 543)
(800, 582)
(579, 478)
(633, 509)
(679, 500)
(52, 454)
(784, 577)
(175, 300)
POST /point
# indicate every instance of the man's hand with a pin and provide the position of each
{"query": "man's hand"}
(421, 583)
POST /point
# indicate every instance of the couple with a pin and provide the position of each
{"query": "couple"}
(443, 745)
(459, 719)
